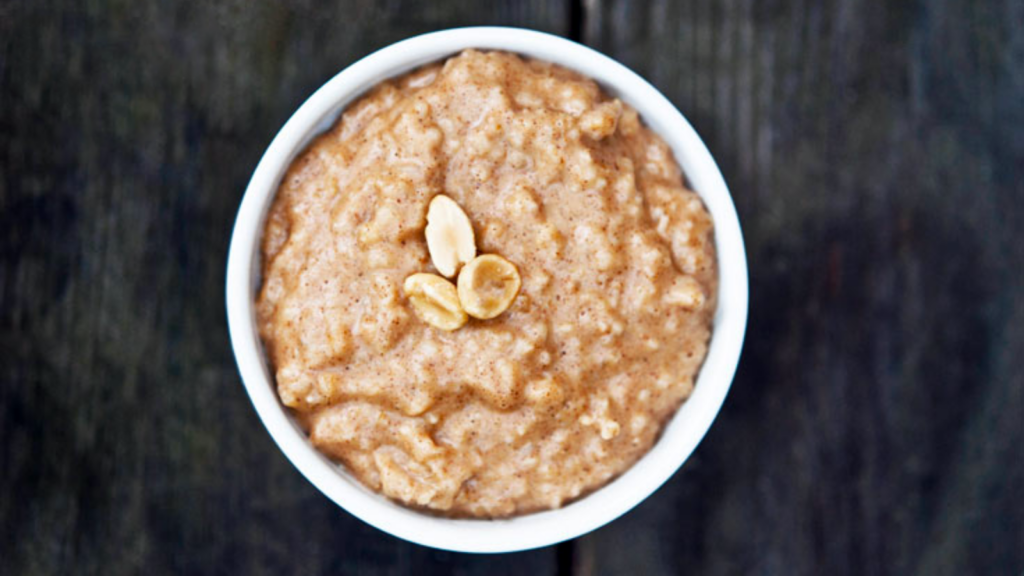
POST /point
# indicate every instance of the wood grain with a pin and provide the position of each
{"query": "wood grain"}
(129, 131)
(876, 158)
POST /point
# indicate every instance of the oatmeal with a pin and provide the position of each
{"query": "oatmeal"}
(589, 290)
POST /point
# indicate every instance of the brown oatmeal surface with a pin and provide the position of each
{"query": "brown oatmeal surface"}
(572, 384)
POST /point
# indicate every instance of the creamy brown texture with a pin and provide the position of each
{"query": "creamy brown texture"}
(568, 387)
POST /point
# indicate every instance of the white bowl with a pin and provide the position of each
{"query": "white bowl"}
(682, 433)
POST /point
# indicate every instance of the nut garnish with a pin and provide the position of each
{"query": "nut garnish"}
(435, 300)
(449, 234)
(488, 285)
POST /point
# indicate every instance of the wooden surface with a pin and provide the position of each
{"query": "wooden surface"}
(876, 157)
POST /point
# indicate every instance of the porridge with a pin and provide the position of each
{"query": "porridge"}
(486, 288)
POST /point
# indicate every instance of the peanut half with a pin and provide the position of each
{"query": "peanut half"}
(449, 233)
(488, 285)
(435, 300)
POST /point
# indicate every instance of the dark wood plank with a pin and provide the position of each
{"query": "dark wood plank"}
(876, 156)
(128, 131)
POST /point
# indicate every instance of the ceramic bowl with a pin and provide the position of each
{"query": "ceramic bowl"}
(680, 436)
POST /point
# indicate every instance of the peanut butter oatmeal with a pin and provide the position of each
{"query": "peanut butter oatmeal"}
(521, 374)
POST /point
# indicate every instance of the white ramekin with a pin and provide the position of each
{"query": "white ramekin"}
(680, 436)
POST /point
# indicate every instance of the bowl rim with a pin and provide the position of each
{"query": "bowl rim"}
(681, 433)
